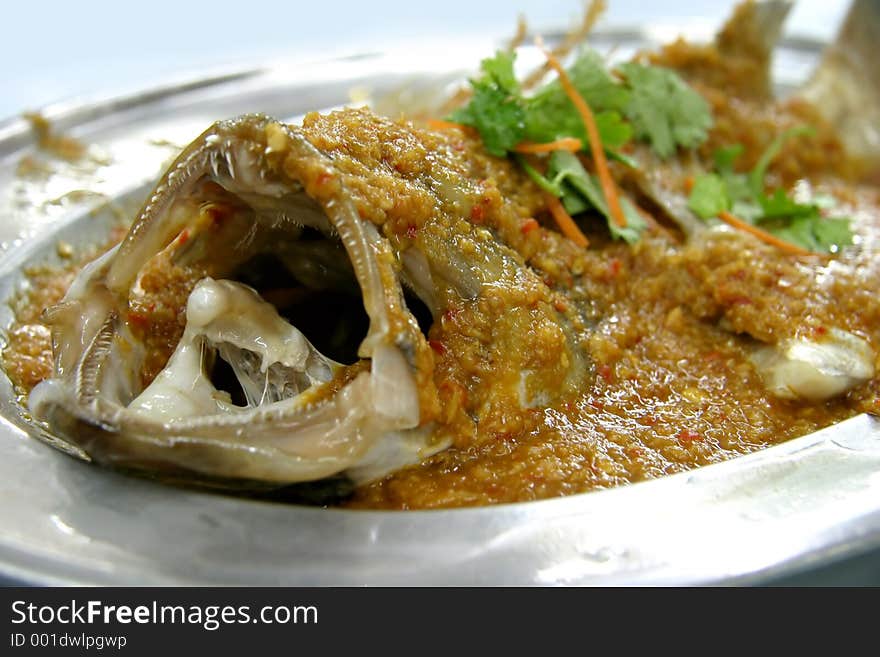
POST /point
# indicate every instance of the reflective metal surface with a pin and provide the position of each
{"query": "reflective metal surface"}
(800, 504)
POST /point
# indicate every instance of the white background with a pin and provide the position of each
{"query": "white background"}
(52, 50)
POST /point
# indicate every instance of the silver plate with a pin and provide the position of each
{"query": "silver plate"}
(796, 505)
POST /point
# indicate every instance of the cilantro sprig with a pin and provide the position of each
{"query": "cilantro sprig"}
(651, 103)
(642, 102)
(496, 108)
(568, 180)
(664, 110)
(802, 223)
(551, 115)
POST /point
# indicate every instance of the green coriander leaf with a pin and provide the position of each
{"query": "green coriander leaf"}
(542, 127)
(572, 200)
(566, 170)
(664, 110)
(496, 107)
(803, 224)
(592, 80)
(595, 83)
(497, 117)
(499, 69)
(614, 132)
(550, 113)
(726, 156)
(833, 233)
(504, 117)
(566, 167)
(798, 230)
(799, 223)
(813, 232)
(780, 205)
(738, 189)
(709, 196)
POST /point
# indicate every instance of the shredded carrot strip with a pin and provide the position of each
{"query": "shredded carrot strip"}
(609, 189)
(440, 124)
(689, 184)
(762, 235)
(572, 144)
(566, 224)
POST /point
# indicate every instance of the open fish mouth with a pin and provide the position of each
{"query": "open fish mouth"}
(248, 190)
